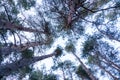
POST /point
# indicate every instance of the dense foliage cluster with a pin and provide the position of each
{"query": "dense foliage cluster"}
(28, 30)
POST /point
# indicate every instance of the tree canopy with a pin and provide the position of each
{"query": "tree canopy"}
(89, 30)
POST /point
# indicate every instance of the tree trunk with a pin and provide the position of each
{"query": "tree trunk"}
(109, 36)
(71, 76)
(15, 66)
(9, 25)
(109, 61)
(103, 68)
(115, 78)
(85, 68)
(63, 74)
(27, 45)
(18, 48)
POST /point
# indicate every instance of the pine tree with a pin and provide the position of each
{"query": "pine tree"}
(73, 20)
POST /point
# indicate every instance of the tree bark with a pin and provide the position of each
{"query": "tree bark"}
(109, 36)
(103, 68)
(85, 68)
(7, 69)
(71, 76)
(63, 73)
(109, 61)
(115, 78)
(18, 48)
(10, 26)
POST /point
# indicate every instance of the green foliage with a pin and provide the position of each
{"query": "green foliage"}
(58, 52)
(14, 10)
(26, 69)
(102, 72)
(70, 47)
(88, 46)
(11, 2)
(58, 65)
(82, 73)
(3, 32)
(38, 75)
(67, 64)
(50, 41)
(80, 29)
(111, 15)
(2, 17)
(117, 4)
(102, 2)
(26, 4)
(98, 3)
(49, 30)
(27, 53)
(50, 77)
(90, 59)
(1, 58)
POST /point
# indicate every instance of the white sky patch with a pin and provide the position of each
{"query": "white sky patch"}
(26, 13)
(113, 43)
(61, 42)
(49, 61)
(89, 30)
(22, 36)
(39, 2)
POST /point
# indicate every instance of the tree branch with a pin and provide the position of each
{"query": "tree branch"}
(7, 69)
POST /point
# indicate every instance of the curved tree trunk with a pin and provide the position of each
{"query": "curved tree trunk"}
(18, 48)
(85, 68)
(15, 66)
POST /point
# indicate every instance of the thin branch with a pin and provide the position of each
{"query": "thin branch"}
(19, 38)
(105, 9)
(111, 65)
(14, 38)
(94, 11)
(7, 13)
(104, 33)
(109, 36)
(115, 78)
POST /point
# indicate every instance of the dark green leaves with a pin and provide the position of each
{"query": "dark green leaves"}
(70, 47)
(24, 71)
(26, 4)
(27, 53)
(11, 2)
(58, 51)
(39, 75)
(36, 75)
(15, 10)
(50, 77)
(88, 46)
(117, 4)
(82, 73)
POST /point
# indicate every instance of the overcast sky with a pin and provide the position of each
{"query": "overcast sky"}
(61, 42)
